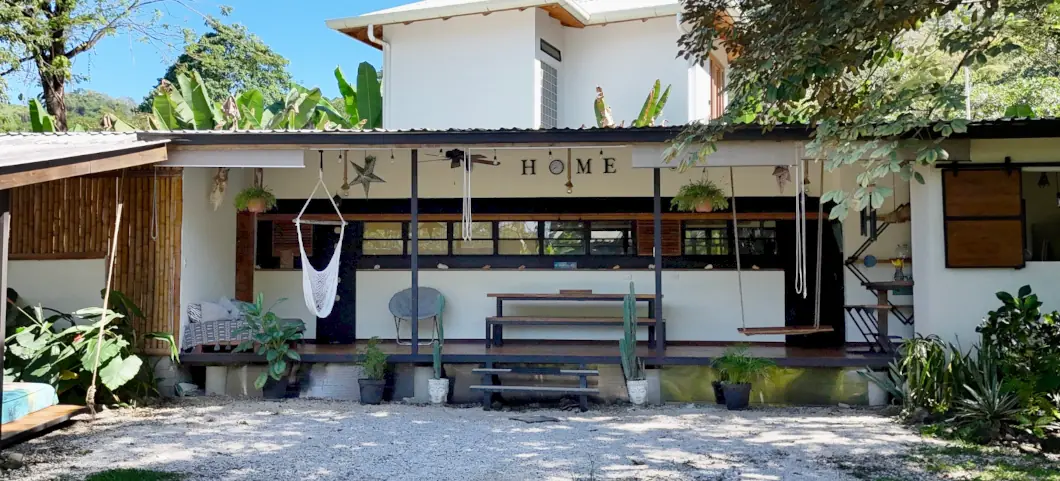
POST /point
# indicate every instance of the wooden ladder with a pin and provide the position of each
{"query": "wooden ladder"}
(491, 374)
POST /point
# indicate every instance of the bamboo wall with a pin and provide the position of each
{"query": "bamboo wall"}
(74, 219)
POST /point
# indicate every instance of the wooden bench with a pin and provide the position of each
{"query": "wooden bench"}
(488, 388)
(494, 337)
(495, 324)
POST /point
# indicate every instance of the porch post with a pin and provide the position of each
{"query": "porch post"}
(660, 324)
(414, 234)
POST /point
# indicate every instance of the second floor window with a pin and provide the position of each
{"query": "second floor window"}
(549, 96)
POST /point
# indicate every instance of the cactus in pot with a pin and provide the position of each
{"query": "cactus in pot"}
(438, 386)
(632, 366)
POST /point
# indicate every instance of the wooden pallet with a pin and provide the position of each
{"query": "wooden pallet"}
(37, 423)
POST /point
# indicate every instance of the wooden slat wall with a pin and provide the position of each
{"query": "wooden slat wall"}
(73, 219)
(671, 237)
(983, 215)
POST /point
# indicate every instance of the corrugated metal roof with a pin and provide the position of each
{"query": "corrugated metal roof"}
(21, 148)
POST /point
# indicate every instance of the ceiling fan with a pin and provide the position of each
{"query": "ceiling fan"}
(455, 157)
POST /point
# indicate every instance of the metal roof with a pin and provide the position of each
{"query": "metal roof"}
(20, 151)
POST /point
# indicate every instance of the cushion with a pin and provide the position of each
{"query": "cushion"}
(234, 311)
(194, 312)
(24, 398)
(212, 312)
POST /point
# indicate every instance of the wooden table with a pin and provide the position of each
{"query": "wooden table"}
(495, 324)
(882, 290)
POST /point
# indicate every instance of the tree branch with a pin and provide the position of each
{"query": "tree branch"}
(98, 35)
(16, 65)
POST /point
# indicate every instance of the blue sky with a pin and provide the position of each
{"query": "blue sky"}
(123, 67)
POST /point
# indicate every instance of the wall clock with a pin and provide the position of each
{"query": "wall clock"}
(556, 167)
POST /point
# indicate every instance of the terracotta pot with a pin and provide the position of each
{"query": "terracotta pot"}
(256, 206)
(705, 206)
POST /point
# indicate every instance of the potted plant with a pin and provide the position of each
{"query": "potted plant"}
(738, 369)
(373, 379)
(719, 392)
(256, 199)
(699, 196)
(272, 338)
(632, 366)
(438, 386)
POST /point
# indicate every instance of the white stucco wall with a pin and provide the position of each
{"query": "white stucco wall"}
(624, 59)
(438, 180)
(64, 285)
(950, 303)
(208, 237)
(471, 71)
(698, 305)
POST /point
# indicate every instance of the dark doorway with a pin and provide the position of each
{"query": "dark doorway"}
(799, 311)
(340, 327)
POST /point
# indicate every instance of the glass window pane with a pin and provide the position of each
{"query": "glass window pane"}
(479, 230)
(382, 230)
(517, 230)
(434, 248)
(382, 247)
(473, 248)
(611, 238)
(432, 230)
(564, 238)
(520, 247)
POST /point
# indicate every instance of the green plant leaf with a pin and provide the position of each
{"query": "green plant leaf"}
(251, 108)
(202, 107)
(369, 96)
(119, 371)
(260, 381)
(349, 97)
(109, 348)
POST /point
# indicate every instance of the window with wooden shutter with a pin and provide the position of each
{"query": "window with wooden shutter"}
(983, 215)
(671, 237)
(717, 89)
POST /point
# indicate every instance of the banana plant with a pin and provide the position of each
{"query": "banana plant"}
(188, 106)
(369, 96)
(652, 109)
(39, 119)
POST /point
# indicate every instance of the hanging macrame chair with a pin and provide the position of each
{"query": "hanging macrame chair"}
(800, 260)
(319, 287)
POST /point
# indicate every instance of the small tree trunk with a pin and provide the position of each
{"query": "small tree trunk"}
(55, 98)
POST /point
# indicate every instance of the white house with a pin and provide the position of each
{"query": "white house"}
(556, 204)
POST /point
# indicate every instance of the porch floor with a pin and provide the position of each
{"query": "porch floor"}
(565, 352)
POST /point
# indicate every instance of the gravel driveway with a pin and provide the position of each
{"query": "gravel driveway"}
(317, 440)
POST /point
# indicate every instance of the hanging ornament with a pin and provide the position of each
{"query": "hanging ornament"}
(1043, 181)
(217, 191)
(366, 174)
(783, 175)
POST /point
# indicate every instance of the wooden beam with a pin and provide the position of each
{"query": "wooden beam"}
(246, 224)
(544, 217)
(114, 162)
(58, 256)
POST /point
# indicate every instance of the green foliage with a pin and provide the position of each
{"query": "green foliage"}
(39, 352)
(632, 366)
(39, 120)
(270, 337)
(245, 196)
(230, 60)
(737, 366)
(985, 408)
(374, 362)
(874, 80)
(697, 192)
(649, 112)
(369, 96)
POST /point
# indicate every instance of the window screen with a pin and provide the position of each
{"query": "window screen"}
(549, 96)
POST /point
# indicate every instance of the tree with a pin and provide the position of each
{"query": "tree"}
(872, 78)
(230, 60)
(44, 37)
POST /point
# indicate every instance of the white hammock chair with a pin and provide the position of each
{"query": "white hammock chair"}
(319, 287)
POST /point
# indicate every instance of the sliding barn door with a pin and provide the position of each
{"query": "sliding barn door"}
(983, 215)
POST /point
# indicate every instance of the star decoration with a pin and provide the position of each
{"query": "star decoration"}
(366, 175)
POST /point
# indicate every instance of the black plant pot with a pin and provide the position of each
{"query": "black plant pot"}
(371, 390)
(737, 396)
(275, 389)
(719, 393)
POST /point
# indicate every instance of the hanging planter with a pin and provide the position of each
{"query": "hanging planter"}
(255, 199)
(700, 196)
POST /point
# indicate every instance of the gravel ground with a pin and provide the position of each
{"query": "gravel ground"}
(317, 440)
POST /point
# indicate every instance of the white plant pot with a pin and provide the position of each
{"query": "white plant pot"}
(438, 389)
(638, 391)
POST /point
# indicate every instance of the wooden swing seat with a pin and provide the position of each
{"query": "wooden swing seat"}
(787, 330)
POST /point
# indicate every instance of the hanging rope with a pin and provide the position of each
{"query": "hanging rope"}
(465, 218)
(90, 395)
(800, 231)
(736, 245)
(820, 244)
